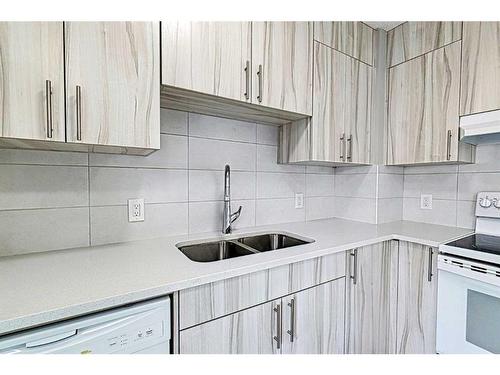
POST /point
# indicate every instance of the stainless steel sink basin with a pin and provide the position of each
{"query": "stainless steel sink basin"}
(217, 250)
(271, 241)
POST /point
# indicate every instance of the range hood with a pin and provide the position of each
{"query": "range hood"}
(480, 128)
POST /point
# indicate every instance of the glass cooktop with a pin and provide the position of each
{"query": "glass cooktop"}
(479, 242)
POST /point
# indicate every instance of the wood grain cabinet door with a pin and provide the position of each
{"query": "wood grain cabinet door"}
(32, 66)
(480, 90)
(417, 299)
(423, 108)
(250, 331)
(115, 67)
(208, 57)
(282, 65)
(372, 299)
(313, 320)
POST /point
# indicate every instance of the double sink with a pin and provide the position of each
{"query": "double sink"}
(212, 251)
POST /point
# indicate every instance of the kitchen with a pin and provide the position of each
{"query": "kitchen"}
(251, 187)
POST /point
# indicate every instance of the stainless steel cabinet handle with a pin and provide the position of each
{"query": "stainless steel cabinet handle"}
(349, 149)
(247, 80)
(277, 338)
(259, 74)
(448, 145)
(291, 331)
(429, 267)
(78, 113)
(342, 146)
(48, 107)
(354, 275)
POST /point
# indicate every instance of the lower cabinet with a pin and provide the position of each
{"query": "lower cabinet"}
(309, 321)
(417, 299)
(372, 299)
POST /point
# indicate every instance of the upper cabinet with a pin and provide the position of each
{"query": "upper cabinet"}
(282, 65)
(112, 83)
(208, 57)
(260, 71)
(412, 39)
(111, 99)
(32, 81)
(480, 89)
(355, 39)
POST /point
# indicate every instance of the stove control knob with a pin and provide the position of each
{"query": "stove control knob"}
(485, 202)
(496, 203)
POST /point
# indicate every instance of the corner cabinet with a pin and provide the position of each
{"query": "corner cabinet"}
(423, 107)
(480, 91)
(80, 86)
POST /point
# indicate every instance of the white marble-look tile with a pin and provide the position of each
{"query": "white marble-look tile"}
(29, 231)
(443, 212)
(356, 170)
(441, 186)
(274, 211)
(390, 185)
(427, 169)
(469, 184)
(222, 128)
(360, 209)
(356, 185)
(110, 224)
(172, 154)
(207, 216)
(209, 185)
(389, 209)
(487, 159)
(35, 186)
(114, 186)
(466, 214)
(173, 122)
(13, 156)
(319, 207)
(267, 134)
(267, 161)
(390, 169)
(319, 170)
(215, 154)
(279, 185)
(320, 185)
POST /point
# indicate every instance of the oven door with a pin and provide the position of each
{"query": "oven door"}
(468, 315)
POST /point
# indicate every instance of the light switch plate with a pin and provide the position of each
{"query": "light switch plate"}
(135, 210)
(299, 200)
(426, 201)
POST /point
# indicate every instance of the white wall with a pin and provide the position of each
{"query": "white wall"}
(55, 200)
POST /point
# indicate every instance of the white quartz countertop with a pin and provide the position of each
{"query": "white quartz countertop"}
(45, 287)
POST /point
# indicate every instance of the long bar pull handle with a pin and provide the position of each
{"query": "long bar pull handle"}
(247, 80)
(277, 338)
(354, 276)
(349, 149)
(78, 113)
(291, 331)
(448, 145)
(342, 146)
(48, 107)
(429, 267)
(259, 74)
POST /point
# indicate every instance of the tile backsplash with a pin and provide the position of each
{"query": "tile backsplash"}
(54, 200)
(453, 188)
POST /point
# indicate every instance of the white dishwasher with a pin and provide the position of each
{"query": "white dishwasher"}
(143, 327)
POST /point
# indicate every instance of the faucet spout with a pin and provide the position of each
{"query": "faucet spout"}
(228, 217)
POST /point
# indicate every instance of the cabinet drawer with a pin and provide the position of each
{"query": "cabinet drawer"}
(213, 300)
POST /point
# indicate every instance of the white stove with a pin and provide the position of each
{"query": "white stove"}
(468, 316)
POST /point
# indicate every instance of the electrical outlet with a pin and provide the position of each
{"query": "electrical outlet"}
(135, 210)
(299, 200)
(426, 201)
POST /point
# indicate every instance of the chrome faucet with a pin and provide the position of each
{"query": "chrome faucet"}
(228, 216)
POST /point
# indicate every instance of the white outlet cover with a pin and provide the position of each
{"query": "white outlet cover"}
(299, 200)
(426, 201)
(135, 210)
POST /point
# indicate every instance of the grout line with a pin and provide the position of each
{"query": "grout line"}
(88, 202)
(187, 171)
